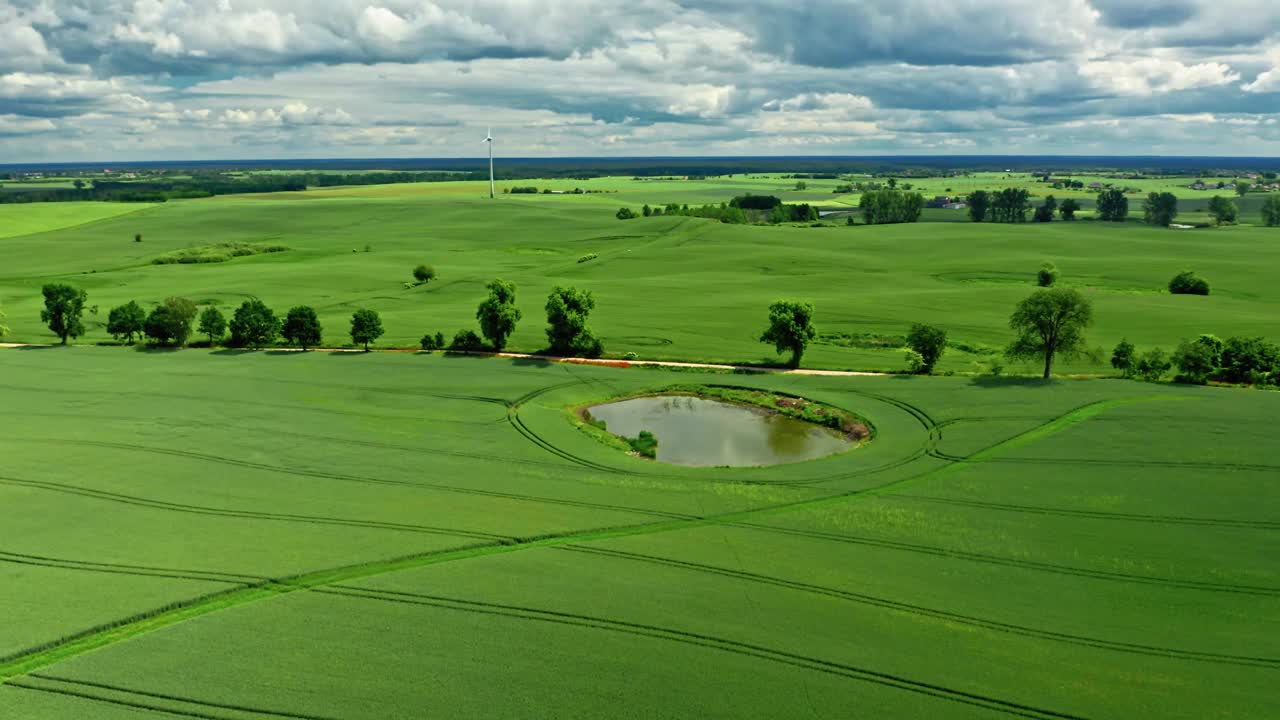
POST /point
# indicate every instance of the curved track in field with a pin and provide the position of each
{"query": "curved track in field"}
(23, 664)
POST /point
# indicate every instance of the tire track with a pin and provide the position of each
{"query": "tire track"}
(936, 614)
(146, 700)
(135, 570)
(324, 475)
(1100, 515)
(704, 641)
(1016, 563)
(248, 514)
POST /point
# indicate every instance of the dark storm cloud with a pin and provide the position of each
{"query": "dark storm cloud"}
(1136, 14)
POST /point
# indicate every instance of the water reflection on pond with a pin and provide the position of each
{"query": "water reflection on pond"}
(700, 432)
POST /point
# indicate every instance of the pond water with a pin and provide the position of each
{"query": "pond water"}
(701, 432)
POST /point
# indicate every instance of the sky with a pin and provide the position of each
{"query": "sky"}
(115, 80)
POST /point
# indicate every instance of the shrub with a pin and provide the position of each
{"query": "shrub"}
(915, 361)
(1153, 365)
(424, 274)
(466, 341)
(1047, 275)
(433, 342)
(929, 343)
(1187, 283)
(625, 213)
(645, 444)
(587, 257)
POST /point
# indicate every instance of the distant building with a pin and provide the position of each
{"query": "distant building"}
(955, 206)
(1095, 186)
(940, 201)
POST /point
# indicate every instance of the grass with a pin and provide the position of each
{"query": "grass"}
(666, 288)
(435, 532)
(32, 218)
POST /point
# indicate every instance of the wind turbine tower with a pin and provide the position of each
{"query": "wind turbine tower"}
(489, 139)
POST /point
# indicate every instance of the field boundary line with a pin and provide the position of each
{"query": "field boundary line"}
(91, 640)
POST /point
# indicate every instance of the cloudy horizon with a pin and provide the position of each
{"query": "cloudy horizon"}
(113, 80)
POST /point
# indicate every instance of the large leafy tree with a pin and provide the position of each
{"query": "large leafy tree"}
(254, 325)
(567, 331)
(1271, 211)
(979, 204)
(790, 328)
(213, 324)
(1068, 209)
(301, 327)
(1049, 323)
(63, 309)
(125, 322)
(930, 342)
(498, 313)
(170, 322)
(1223, 210)
(1160, 209)
(366, 327)
(1113, 206)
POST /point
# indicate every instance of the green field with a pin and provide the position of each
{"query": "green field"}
(666, 288)
(237, 535)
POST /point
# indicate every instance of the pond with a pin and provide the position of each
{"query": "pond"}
(700, 432)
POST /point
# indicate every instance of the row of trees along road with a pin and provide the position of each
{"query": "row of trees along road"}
(1159, 208)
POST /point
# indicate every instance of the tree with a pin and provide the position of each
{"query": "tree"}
(1197, 360)
(1124, 358)
(1160, 209)
(424, 273)
(1243, 187)
(498, 313)
(625, 213)
(802, 185)
(646, 210)
(1153, 365)
(1222, 210)
(170, 322)
(1113, 206)
(1045, 212)
(979, 203)
(1068, 209)
(1243, 359)
(466, 341)
(1187, 283)
(790, 328)
(1271, 211)
(882, 207)
(125, 322)
(930, 342)
(63, 307)
(301, 327)
(1047, 275)
(213, 324)
(254, 325)
(567, 332)
(432, 342)
(77, 184)
(366, 327)
(1009, 206)
(1050, 322)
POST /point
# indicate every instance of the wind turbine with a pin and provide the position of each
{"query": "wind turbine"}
(488, 138)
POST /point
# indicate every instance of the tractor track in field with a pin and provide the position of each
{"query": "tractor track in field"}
(1017, 563)
(29, 661)
(710, 642)
(1099, 514)
(934, 613)
(146, 701)
(134, 570)
(414, 485)
(249, 514)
